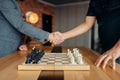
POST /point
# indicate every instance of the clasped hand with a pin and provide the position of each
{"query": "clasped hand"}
(56, 38)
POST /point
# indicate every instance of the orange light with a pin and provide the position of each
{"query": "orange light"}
(32, 17)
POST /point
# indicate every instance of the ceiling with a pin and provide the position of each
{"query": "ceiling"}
(59, 2)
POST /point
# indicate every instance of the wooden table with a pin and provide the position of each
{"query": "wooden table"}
(8, 68)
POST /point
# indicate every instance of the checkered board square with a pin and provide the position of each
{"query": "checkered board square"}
(54, 58)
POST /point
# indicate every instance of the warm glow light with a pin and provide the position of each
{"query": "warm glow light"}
(32, 17)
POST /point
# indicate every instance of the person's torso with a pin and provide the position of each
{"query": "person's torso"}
(108, 17)
(8, 34)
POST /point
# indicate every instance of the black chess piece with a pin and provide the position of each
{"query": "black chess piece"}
(32, 55)
(29, 59)
(38, 56)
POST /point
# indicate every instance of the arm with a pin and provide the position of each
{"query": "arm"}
(111, 54)
(83, 27)
(80, 29)
(12, 14)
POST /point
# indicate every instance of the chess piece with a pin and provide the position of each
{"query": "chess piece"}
(38, 56)
(35, 51)
(32, 56)
(68, 53)
(72, 60)
(75, 52)
(28, 60)
(80, 60)
(78, 56)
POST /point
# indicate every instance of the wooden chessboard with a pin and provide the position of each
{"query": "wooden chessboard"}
(54, 61)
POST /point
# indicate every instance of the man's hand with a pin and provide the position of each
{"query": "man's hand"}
(111, 54)
(56, 38)
(23, 47)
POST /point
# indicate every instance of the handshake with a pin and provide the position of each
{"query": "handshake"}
(56, 38)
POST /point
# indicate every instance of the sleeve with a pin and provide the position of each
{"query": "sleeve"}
(91, 11)
(14, 17)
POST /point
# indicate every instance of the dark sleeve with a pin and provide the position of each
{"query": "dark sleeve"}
(13, 15)
(91, 11)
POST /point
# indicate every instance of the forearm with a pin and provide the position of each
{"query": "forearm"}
(80, 29)
(15, 19)
(34, 32)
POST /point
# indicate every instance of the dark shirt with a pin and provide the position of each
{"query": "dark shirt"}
(107, 13)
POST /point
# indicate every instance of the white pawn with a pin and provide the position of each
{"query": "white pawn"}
(72, 60)
(80, 60)
(68, 52)
(70, 55)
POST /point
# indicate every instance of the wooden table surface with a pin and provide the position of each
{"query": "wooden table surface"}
(8, 68)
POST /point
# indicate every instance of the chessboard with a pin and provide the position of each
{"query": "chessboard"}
(56, 61)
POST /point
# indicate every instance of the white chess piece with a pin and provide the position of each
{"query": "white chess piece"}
(78, 56)
(76, 52)
(80, 60)
(68, 53)
(72, 60)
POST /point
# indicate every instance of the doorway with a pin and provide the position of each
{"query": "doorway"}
(47, 25)
(47, 22)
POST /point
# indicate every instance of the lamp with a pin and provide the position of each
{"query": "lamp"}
(32, 17)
